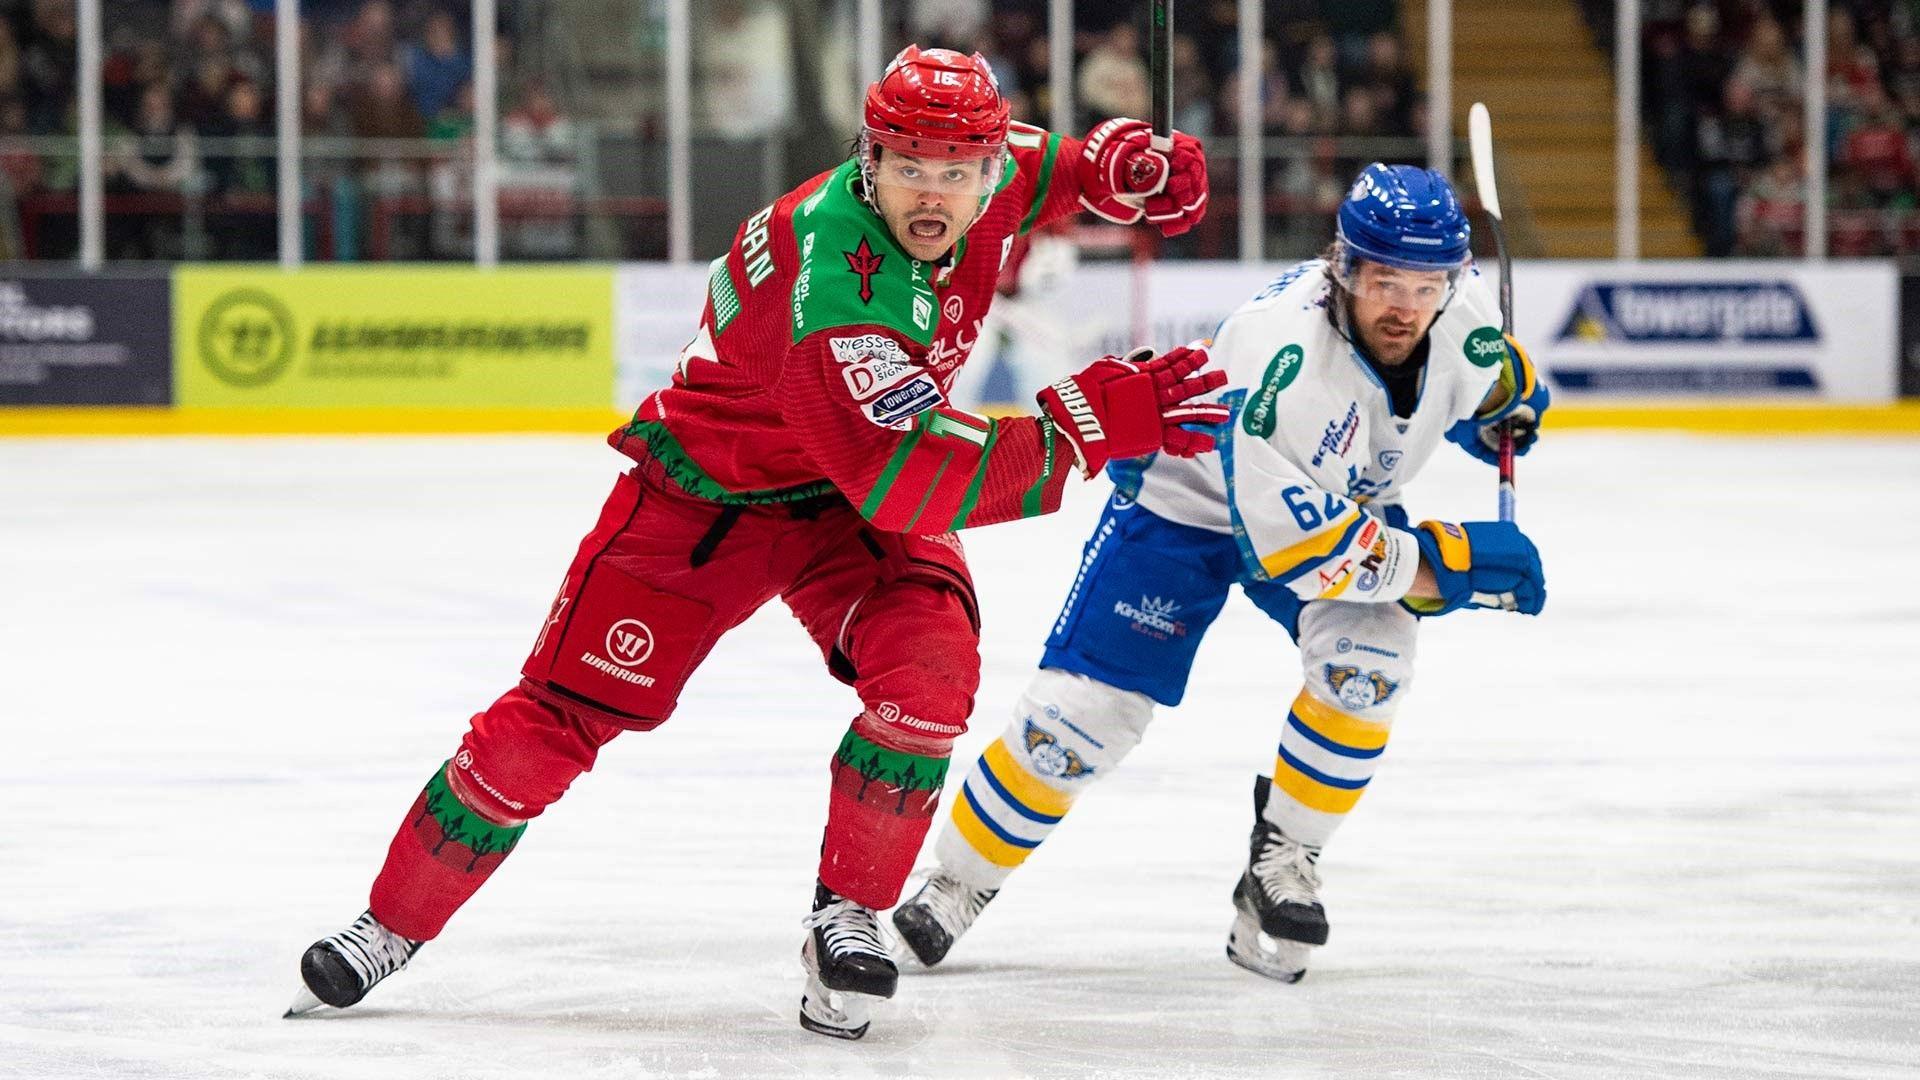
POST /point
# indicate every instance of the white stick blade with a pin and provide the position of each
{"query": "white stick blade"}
(1480, 142)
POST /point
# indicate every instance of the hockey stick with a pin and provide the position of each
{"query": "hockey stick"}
(1160, 71)
(1480, 142)
(1160, 75)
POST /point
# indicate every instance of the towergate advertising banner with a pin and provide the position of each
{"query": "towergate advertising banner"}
(85, 340)
(420, 337)
(1604, 332)
(1747, 328)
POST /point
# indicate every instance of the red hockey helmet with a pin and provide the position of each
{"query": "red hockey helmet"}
(937, 103)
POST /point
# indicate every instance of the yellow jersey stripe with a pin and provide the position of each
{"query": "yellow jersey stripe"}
(1318, 546)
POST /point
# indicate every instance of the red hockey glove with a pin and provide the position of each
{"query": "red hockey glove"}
(1115, 408)
(1122, 178)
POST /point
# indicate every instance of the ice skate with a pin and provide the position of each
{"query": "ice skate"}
(1278, 918)
(339, 970)
(847, 966)
(938, 914)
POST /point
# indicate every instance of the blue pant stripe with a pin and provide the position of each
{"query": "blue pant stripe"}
(993, 826)
(1316, 775)
(1019, 807)
(1325, 743)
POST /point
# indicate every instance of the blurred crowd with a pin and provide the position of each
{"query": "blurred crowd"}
(1725, 85)
(189, 118)
(387, 107)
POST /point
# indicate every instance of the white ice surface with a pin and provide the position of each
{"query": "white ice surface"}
(1670, 829)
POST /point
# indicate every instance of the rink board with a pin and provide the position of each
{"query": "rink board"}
(1708, 346)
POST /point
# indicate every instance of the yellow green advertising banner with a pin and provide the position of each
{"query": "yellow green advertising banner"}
(393, 336)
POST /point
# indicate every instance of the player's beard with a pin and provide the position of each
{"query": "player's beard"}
(1390, 340)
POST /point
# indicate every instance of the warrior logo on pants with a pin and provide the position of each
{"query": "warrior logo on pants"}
(629, 643)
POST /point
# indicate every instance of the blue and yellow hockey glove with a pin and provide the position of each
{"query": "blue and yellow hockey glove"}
(1480, 564)
(1523, 398)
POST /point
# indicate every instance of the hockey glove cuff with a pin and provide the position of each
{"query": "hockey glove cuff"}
(1123, 408)
(1480, 564)
(1520, 400)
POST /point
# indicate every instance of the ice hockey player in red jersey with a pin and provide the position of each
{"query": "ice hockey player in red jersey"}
(805, 450)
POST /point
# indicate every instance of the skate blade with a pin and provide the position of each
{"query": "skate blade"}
(835, 1013)
(303, 1002)
(1265, 955)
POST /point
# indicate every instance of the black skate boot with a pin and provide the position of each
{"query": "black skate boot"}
(1278, 919)
(938, 914)
(847, 966)
(339, 970)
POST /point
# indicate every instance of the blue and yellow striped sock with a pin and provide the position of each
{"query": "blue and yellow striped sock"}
(1325, 761)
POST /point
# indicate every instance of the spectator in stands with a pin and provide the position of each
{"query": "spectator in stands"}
(234, 16)
(1192, 89)
(1318, 80)
(743, 82)
(535, 132)
(945, 23)
(1389, 81)
(1704, 63)
(233, 170)
(159, 156)
(381, 109)
(346, 58)
(1274, 98)
(436, 65)
(1359, 115)
(10, 72)
(244, 178)
(160, 153)
(1771, 211)
(49, 59)
(1113, 77)
(1878, 154)
(1903, 76)
(539, 168)
(1353, 23)
(1730, 148)
(212, 74)
(1768, 68)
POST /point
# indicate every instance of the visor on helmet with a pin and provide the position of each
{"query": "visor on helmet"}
(966, 170)
(1412, 290)
(1393, 283)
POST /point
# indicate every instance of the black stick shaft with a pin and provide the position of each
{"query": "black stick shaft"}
(1160, 70)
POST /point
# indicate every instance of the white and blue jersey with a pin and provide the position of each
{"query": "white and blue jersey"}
(1301, 504)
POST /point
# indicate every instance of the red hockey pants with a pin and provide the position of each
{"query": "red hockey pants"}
(653, 587)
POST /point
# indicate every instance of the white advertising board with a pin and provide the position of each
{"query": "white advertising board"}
(1705, 329)
(1602, 331)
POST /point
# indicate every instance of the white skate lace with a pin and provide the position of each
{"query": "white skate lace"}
(373, 951)
(848, 928)
(953, 904)
(1285, 870)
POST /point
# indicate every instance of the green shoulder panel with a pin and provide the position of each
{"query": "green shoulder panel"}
(852, 272)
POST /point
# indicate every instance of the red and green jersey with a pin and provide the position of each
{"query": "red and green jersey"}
(825, 355)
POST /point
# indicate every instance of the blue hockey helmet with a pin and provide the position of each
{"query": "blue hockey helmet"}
(1402, 216)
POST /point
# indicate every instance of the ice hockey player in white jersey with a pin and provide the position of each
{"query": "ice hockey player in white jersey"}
(1344, 376)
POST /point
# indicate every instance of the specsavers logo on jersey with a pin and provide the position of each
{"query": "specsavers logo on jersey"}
(388, 336)
(1261, 415)
(1655, 312)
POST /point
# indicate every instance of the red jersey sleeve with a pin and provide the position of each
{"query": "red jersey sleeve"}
(877, 425)
(1053, 162)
